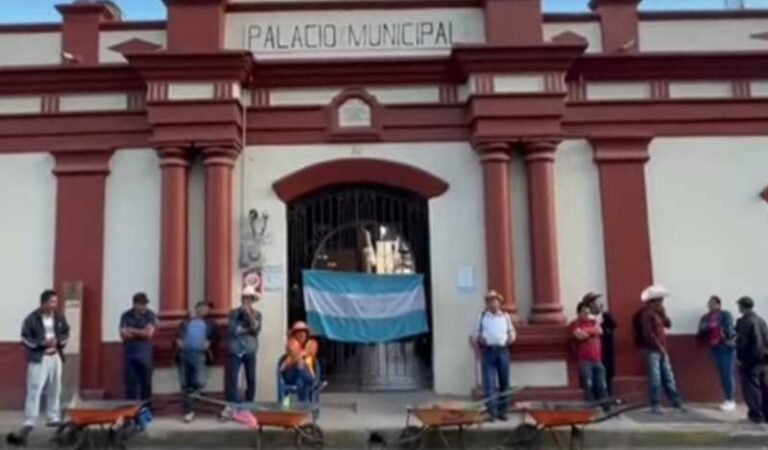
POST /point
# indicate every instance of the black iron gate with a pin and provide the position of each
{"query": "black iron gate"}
(363, 228)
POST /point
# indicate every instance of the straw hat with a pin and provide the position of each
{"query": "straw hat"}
(493, 294)
(299, 326)
(655, 292)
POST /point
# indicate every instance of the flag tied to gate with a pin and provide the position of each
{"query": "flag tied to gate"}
(363, 308)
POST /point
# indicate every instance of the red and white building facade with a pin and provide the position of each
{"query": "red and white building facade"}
(559, 153)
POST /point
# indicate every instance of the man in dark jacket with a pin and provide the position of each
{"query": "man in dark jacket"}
(137, 327)
(44, 334)
(752, 353)
(197, 336)
(650, 324)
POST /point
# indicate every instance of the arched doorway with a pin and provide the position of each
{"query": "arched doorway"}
(365, 228)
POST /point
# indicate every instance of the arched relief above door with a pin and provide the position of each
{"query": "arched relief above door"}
(358, 170)
(354, 116)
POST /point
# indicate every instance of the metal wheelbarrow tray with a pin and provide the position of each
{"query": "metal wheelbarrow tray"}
(98, 425)
(545, 416)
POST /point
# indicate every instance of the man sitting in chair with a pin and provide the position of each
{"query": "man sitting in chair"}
(300, 361)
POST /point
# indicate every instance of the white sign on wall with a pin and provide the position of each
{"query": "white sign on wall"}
(355, 32)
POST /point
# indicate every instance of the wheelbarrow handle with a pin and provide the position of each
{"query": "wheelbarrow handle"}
(507, 393)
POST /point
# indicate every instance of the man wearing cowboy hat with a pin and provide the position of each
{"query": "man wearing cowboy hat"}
(650, 324)
(298, 366)
(495, 333)
(243, 331)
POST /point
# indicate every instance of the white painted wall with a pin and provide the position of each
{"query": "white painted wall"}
(28, 224)
(618, 91)
(709, 227)
(579, 224)
(457, 240)
(23, 49)
(521, 238)
(109, 39)
(196, 230)
(131, 234)
(702, 35)
(589, 30)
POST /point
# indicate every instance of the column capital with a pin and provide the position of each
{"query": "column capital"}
(82, 163)
(220, 156)
(621, 149)
(173, 157)
(493, 151)
(540, 150)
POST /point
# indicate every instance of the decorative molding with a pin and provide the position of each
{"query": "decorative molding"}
(135, 45)
(660, 89)
(260, 97)
(82, 163)
(356, 130)
(577, 91)
(358, 170)
(157, 91)
(449, 94)
(50, 104)
(741, 89)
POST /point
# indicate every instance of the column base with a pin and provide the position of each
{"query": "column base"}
(547, 314)
(173, 315)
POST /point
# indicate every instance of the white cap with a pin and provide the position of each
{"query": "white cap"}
(249, 291)
(654, 292)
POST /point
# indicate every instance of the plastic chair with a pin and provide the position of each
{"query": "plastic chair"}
(284, 389)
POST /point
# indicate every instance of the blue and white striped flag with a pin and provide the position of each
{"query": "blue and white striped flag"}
(363, 308)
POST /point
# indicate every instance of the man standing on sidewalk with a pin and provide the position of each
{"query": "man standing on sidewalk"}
(243, 330)
(197, 336)
(587, 333)
(137, 327)
(44, 334)
(752, 353)
(495, 333)
(650, 324)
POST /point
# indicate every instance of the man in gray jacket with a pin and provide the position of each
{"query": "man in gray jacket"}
(752, 353)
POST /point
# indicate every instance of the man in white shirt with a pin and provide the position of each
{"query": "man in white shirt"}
(495, 333)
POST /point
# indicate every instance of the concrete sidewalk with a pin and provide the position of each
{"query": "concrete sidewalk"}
(345, 427)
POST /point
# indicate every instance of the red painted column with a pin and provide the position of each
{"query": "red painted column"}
(174, 164)
(498, 222)
(79, 249)
(626, 240)
(513, 22)
(206, 17)
(540, 163)
(80, 30)
(219, 163)
(619, 24)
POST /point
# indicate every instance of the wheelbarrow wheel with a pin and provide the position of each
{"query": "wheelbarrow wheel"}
(310, 436)
(411, 438)
(68, 435)
(524, 437)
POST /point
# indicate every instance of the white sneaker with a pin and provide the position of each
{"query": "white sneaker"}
(728, 406)
(189, 417)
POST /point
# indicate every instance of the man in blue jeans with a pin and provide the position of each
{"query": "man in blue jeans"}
(650, 324)
(137, 327)
(196, 339)
(495, 333)
(243, 333)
